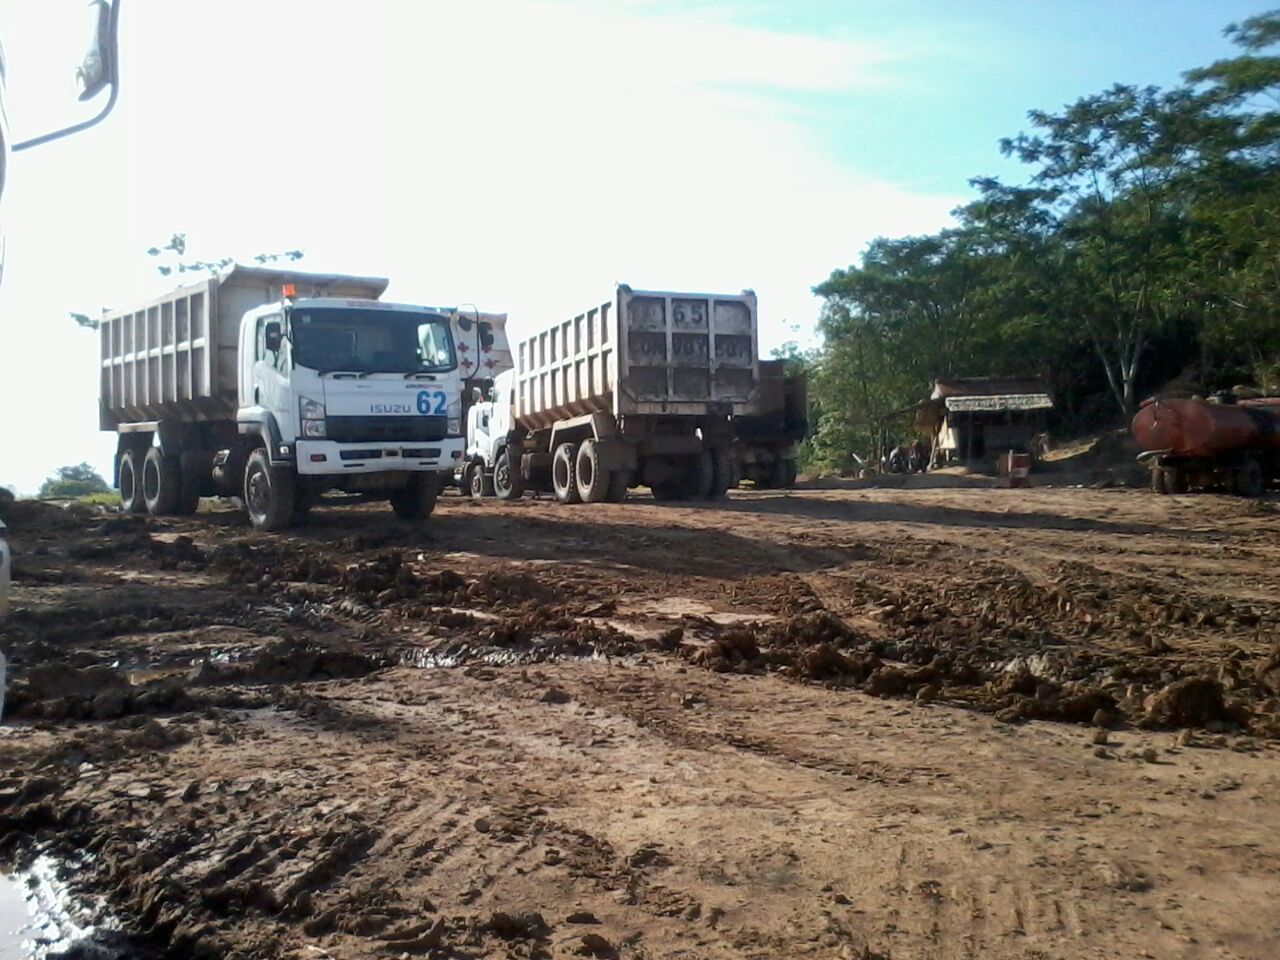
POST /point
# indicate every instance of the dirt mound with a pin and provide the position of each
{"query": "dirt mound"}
(1191, 702)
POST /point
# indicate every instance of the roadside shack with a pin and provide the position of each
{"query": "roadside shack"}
(975, 420)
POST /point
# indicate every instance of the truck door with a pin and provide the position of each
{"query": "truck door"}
(271, 379)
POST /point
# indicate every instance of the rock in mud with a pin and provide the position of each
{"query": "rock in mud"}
(1191, 702)
(529, 925)
(555, 695)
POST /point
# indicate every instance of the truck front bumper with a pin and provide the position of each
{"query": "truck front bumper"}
(329, 458)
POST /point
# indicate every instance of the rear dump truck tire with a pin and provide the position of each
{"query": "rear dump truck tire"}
(1249, 480)
(131, 499)
(416, 499)
(507, 482)
(619, 481)
(161, 482)
(564, 479)
(592, 480)
(269, 493)
(722, 468)
(194, 468)
(702, 479)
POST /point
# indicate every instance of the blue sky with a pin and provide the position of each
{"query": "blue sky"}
(522, 155)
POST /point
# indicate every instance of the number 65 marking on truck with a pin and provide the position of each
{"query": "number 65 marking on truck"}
(434, 402)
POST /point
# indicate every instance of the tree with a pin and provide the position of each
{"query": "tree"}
(77, 481)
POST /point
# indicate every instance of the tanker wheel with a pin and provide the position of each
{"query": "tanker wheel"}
(592, 479)
(507, 482)
(1249, 480)
(131, 499)
(564, 478)
(161, 482)
(1158, 480)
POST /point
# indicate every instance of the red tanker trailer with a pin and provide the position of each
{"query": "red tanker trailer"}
(1221, 443)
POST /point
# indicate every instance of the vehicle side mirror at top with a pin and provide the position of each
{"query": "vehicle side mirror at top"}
(97, 71)
(477, 395)
(272, 336)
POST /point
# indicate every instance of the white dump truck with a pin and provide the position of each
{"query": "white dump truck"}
(276, 386)
(640, 389)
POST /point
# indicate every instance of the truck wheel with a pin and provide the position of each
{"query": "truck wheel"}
(417, 499)
(194, 468)
(619, 481)
(131, 499)
(592, 480)
(161, 482)
(1248, 480)
(722, 467)
(702, 482)
(1158, 483)
(269, 493)
(507, 482)
(564, 473)
(778, 475)
(479, 485)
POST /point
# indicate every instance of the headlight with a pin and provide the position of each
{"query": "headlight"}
(311, 409)
(314, 429)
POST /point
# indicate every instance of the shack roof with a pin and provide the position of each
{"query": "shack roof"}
(988, 387)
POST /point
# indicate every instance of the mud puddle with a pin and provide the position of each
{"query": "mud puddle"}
(40, 919)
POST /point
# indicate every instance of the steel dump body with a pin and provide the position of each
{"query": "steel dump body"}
(641, 353)
(175, 357)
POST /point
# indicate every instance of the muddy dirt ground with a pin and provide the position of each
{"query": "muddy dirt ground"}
(862, 723)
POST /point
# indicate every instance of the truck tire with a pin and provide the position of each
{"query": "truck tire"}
(479, 484)
(161, 482)
(702, 481)
(131, 499)
(592, 480)
(564, 479)
(619, 481)
(269, 493)
(507, 482)
(417, 499)
(194, 468)
(1158, 479)
(1249, 480)
(778, 475)
(722, 467)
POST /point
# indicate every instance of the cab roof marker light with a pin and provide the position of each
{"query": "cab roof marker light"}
(289, 291)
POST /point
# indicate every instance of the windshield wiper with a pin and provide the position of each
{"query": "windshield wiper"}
(418, 373)
(349, 373)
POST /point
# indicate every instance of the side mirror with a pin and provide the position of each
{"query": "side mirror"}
(486, 334)
(98, 70)
(477, 395)
(272, 336)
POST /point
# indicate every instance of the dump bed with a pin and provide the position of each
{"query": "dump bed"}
(175, 357)
(642, 352)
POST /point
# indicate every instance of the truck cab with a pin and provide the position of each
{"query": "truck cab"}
(492, 466)
(352, 387)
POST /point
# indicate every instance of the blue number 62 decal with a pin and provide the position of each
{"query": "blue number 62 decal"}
(428, 397)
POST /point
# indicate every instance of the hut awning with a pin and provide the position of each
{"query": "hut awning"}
(1000, 403)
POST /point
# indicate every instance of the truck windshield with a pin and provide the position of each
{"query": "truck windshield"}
(371, 341)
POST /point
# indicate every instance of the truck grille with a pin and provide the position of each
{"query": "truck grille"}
(384, 429)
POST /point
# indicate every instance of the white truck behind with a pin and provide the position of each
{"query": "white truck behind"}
(640, 389)
(276, 386)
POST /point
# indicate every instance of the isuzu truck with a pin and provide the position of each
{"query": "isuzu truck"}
(638, 390)
(277, 386)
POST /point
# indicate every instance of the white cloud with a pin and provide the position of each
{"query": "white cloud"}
(522, 156)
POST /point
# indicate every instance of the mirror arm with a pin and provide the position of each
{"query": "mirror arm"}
(111, 101)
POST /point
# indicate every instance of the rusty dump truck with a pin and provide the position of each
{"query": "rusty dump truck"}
(640, 389)
(1226, 443)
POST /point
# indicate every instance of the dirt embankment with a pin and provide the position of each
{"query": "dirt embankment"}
(239, 730)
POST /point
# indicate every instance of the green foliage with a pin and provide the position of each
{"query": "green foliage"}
(1146, 240)
(78, 481)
